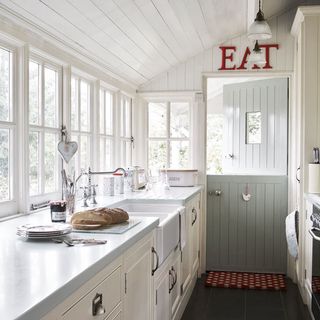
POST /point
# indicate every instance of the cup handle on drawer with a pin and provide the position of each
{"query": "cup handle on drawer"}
(97, 307)
(157, 263)
(194, 210)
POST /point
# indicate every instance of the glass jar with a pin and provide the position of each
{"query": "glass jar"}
(58, 211)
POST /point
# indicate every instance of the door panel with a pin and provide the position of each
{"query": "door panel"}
(247, 235)
(270, 97)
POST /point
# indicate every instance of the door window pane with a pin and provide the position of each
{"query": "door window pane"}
(179, 120)
(102, 116)
(50, 163)
(157, 114)
(50, 98)
(253, 127)
(34, 101)
(5, 85)
(4, 165)
(157, 154)
(179, 154)
(34, 170)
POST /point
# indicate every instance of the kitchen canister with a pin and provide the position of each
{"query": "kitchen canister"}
(314, 178)
(108, 186)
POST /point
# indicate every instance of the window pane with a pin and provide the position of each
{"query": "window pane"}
(102, 112)
(84, 152)
(179, 154)
(50, 163)
(127, 118)
(157, 154)
(180, 120)
(34, 170)
(105, 154)
(34, 103)
(215, 124)
(85, 106)
(5, 93)
(253, 127)
(4, 165)
(74, 104)
(157, 114)
(50, 98)
(74, 162)
(109, 113)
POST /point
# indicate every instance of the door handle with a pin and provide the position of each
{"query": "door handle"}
(194, 211)
(153, 250)
(298, 170)
(97, 307)
(313, 235)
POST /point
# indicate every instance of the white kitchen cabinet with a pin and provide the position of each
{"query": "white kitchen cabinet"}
(167, 287)
(190, 253)
(175, 278)
(194, 234)
(94, 294)
(138, 281)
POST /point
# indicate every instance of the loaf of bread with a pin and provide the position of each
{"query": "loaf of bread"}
(98, 218)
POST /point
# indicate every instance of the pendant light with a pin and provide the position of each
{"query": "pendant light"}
(259, 29)
(256, 56)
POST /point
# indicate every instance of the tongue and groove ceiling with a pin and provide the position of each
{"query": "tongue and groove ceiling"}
(139, 39)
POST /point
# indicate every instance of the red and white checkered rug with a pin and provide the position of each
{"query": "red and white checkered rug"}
(245, 280)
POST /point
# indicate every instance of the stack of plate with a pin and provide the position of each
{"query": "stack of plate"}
(49, 231)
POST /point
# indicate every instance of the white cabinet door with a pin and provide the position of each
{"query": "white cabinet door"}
(162, 301)
(137, 301)
(175, 281)
(194, 234)
(186, 252)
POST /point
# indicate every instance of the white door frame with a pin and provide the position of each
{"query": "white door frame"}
(292, 158)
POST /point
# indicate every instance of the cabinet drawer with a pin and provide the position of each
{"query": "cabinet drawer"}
(110, 293)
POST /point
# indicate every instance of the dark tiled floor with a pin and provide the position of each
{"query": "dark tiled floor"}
(237, 304)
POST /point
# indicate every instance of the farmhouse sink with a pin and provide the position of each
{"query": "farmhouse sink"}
(168, 230)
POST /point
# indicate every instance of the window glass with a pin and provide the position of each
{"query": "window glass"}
(179, 154)
(253, 127)
(179, 120)
(34, 100)
(157, 154)
(34, 164)
(4, 164)
(169, 135)
(44, 128)
(5, 85)
(50, 98)
(74, 104)
(7, 127)
(109, 113)
(85, 106)
(157, 119)
(50, 162)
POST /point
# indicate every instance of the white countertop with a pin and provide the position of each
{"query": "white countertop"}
(35, 276)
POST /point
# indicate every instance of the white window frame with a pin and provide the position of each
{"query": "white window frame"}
(42, 129)
(10, 206)
(78, 133)
(168, 138)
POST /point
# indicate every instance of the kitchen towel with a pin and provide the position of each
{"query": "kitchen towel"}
(291, 234)
(183, 227)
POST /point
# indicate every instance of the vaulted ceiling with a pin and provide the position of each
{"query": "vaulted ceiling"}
(138, 39)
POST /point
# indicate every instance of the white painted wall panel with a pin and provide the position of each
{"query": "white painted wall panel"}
(210, 60)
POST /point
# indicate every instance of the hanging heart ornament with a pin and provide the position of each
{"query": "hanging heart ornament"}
(67, 149)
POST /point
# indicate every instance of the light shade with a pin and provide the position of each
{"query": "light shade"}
(257, 56)
(259, 30)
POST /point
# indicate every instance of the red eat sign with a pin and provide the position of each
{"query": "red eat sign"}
(227, 56)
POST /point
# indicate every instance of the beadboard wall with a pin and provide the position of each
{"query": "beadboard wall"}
(187, 76)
